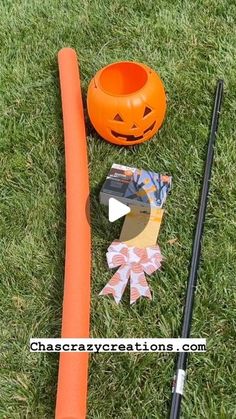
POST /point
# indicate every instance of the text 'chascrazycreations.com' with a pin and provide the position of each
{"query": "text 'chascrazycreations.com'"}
(96, 345)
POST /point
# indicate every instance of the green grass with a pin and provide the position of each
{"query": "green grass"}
(190, 44)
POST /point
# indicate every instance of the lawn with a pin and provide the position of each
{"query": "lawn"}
(190, 44)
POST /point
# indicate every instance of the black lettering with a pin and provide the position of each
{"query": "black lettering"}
(185, 347)
(90, 347)
(50, 347)
(202, 347)
(114, 346)
(42, 347)
(121, 347)
(31, 346)
(161, 347)
(106, 346)
(138, 346)
(81, 348)
(193, 347)
(58, 347)
(169, 347)
(145, 346)
(129, 347)
(73, 346)
(65, 347)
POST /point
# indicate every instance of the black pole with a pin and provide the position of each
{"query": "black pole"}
(177, 390)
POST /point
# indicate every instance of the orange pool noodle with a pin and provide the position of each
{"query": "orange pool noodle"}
(73, 367)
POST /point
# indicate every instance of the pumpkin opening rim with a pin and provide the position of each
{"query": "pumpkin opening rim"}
(123, 78)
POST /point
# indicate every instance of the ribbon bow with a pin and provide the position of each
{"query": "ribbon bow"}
(133, 262)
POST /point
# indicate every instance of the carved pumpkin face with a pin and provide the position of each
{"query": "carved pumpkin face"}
(126, 103)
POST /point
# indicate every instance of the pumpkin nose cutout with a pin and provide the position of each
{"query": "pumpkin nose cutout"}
(134, 126)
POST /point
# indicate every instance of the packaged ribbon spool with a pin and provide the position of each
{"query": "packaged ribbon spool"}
(136, 252)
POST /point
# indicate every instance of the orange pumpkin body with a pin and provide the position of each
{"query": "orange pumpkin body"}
(126, 102)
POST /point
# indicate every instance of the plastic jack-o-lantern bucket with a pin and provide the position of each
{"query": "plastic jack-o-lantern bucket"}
(126, 102)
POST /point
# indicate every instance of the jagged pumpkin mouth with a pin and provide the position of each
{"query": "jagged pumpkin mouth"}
(133, 137)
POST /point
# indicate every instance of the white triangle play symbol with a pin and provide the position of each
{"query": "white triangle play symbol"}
(117, 209)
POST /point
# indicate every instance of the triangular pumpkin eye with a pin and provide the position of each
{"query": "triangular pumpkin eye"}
(147, 110)
(118, 118)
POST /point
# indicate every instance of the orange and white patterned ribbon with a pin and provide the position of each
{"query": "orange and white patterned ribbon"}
(133, 262)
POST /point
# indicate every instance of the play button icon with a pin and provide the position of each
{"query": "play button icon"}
(117, 209)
